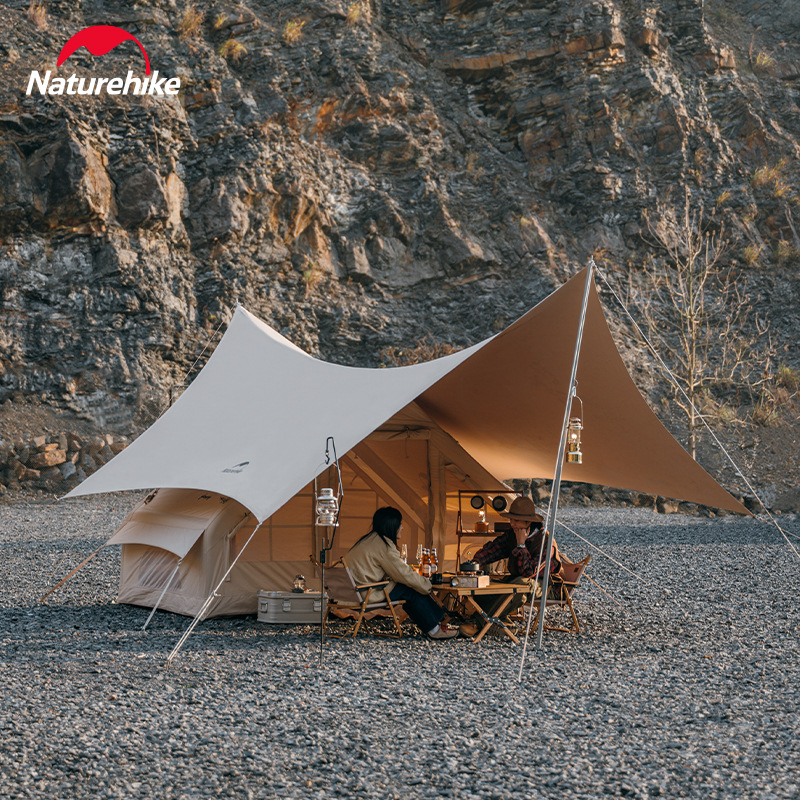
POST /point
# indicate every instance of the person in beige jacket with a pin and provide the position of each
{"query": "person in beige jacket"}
(375, 557)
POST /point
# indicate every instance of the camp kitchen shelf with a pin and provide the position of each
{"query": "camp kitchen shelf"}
(493, 529)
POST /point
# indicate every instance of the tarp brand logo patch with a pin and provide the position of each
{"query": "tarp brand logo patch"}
(238, 467)
(99, 40)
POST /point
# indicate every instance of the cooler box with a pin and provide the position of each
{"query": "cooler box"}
(290, 608)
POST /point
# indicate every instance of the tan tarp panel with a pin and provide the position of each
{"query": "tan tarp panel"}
(505, 406)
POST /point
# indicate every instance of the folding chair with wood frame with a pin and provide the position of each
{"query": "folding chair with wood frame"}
(346, 599)
(563, 587)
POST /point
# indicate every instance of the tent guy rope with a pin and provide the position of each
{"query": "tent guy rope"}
(621, 566)
(609, 596)
(69, 551)
(202, 352)
(701, 417)
(163, 592)
(188, 372)
(600, 550)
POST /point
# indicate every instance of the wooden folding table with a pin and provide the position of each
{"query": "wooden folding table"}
(461, 600)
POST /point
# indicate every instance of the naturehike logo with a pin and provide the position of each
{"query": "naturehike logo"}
(99, 40)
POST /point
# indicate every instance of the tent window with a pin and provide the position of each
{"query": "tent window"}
(155, 568)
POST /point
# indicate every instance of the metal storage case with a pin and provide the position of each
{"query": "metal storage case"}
(290, 608)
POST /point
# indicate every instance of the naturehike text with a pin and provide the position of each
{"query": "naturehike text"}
(151, 85)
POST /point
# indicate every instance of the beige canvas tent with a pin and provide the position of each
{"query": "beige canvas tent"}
(245, 442)
(408, 462)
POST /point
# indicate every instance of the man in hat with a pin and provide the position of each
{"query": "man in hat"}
(522, 546)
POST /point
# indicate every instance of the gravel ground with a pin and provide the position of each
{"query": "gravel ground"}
(687, 686)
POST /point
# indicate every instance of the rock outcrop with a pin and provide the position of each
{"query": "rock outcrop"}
(54, 463)
(363, 173)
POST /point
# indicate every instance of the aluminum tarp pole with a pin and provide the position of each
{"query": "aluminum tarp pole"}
(209, 600)
(323, 609)
(550, 522)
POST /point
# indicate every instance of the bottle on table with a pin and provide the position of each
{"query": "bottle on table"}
(427, 569)
(404, 553)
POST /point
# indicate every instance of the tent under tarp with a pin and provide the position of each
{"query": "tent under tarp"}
(251, 430)
(186, 540)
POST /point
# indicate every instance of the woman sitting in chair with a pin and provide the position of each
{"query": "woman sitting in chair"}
(375, 557)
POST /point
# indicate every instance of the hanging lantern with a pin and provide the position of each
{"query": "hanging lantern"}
(327, 508)
(574, 428)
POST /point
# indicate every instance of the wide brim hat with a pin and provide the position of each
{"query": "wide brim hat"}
(523, 508)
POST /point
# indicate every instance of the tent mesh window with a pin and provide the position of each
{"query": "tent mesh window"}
(155, 568)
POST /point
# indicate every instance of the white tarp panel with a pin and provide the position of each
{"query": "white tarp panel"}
(254, 423)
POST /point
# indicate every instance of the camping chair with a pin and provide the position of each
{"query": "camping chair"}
(564, 585)
(347, 600)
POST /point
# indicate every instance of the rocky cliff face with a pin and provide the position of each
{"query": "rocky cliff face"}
(364, 173)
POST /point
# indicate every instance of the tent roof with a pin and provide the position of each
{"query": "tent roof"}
(253, 425)
(172, 520)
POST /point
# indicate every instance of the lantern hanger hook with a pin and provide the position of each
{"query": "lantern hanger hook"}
(330, 444)
(575, 395)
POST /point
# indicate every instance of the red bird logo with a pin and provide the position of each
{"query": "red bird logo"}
(99, 40)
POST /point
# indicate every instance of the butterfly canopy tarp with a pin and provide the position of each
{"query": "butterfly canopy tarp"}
(245, 442)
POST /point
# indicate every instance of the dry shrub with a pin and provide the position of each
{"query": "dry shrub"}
(191, 22)
(788, 378)
(785, 251)
(764, 61)
(359, 11)
(312, 276)
(426, 349)
(768, 175)
(37, 14)
(723, 198)
(232, 50)
(293, 30)
(765, 413)
(752, 253)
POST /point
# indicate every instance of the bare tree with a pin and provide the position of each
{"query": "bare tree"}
(698, 314)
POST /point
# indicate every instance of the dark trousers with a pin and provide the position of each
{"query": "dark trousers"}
(424, 611)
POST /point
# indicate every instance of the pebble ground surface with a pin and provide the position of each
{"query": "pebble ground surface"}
(684, 685)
